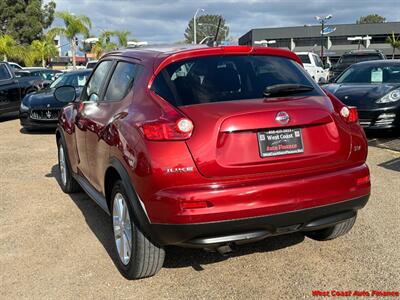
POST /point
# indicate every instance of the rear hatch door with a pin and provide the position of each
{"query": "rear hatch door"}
(245, 137)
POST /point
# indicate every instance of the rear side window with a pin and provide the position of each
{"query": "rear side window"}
(4, 73)
(227, 78)
(92, 89)
(121, 81)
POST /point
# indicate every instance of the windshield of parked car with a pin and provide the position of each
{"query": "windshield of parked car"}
(226, 78)
(48, 75)
(371, 74)
(75, 80)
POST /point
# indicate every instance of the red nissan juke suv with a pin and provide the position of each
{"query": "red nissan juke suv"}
(208, 147)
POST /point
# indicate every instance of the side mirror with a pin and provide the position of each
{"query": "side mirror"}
(93, 97)
(65, 94)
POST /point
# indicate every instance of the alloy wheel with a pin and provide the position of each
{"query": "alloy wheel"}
(122, 228)
(62, 165)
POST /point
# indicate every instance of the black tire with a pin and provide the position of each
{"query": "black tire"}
(70, 185)
(146, 258)
(333, 232)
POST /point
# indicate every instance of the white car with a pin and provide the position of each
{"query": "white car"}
(15, 66)
(314, 66)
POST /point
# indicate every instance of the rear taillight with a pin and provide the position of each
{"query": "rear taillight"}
(172, 125)
(349, 114)
(171, 128)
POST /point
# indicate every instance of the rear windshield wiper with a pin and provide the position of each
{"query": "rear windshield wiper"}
(286, 89)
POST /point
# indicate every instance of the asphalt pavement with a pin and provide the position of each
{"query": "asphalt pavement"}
(56, 246)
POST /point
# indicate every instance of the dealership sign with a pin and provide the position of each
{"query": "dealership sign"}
(328, 30)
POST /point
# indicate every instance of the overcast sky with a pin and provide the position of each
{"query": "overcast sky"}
(165, 21)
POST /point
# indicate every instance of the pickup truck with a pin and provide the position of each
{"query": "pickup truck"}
(14, 87)
(314, 66)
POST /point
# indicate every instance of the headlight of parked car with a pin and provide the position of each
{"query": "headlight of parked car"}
(392, 96)
(23, 107)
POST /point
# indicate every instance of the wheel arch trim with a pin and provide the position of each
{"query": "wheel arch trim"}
(141, 218)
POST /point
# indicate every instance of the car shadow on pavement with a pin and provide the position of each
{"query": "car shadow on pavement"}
(384, 139)
(9, 116)
(97, 220)
(176, 257)
(38, 131)
(393, 164)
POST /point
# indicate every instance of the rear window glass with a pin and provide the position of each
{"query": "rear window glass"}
(227, 78)
(304, 58)
(350, 59)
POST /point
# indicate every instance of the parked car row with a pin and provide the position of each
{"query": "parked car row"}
(30, 91)
(352, 57)
(364, 79)
(40, 109)
(14, 85)
(374, 88)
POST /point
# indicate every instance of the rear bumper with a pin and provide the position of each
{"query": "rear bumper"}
(387, 118)
(249, 198)
(214, 234)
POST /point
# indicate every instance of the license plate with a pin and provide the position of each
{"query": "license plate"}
(276, 142)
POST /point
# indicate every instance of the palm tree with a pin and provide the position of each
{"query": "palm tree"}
(45, 48)
(7, 46)
(29, 56)
(73, 26)
(104, 44)
(394, 42)
(122, 37)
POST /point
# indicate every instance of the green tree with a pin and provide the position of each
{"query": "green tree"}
(371, 19)
(44, 49)
(73, 26)
(29, 56)
(25, 20)
(394, 42)
(7, 46)
(104, 44)
(206, 26)
(122, 37)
